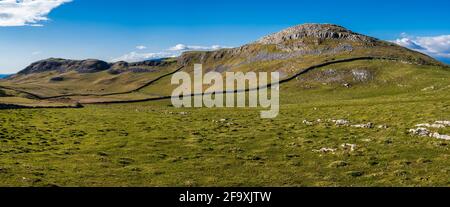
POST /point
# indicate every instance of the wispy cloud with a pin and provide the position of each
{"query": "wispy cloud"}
(135, 56)
(171, 52)
(26, 12)
(141, 47)
(436, 46)
(183, 47)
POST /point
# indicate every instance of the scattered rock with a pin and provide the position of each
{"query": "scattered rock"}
(347, 85)
(423, 132)
(382, 127)
(368, 125)
(446, 123)
(183, 113)
(341, 122)
(440, 136)
(325, 150)
(431, 125)
(428, 88)
(351, 147)
(308, 123)
(361, 75)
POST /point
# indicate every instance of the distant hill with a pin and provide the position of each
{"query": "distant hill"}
(89, 66)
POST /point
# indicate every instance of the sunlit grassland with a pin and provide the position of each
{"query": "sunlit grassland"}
(154, 144)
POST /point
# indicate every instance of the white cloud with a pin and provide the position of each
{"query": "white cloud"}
(26, 12)
(135, 56)
(182, 47)
(171, 52)
(436, 46)
(179, 47)
(141, 47)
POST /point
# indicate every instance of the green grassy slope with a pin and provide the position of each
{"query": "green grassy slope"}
(129, 146)
(154, 144)
(83, 83)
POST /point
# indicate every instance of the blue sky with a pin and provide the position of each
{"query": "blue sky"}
(113, 29)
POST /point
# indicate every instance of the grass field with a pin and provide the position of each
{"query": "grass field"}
(155, 144)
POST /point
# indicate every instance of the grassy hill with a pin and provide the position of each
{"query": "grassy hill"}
(341, 124)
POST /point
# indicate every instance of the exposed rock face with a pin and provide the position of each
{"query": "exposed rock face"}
(156, 62)
(361, 75)
(301, 40)
(316, 31)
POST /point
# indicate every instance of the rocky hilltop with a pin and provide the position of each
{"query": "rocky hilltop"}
(308, 42)
(315, 31)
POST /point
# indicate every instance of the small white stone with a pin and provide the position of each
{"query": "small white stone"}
(446, 123)
(351, 147)
(307, 122)
(325, 150)
(420, 132)
(431, 125)
(341, 122)
(440, 136)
